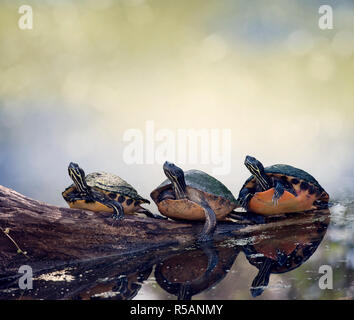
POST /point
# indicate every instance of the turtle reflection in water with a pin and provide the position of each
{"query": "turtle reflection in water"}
(191, 272)
(284, 249)
(120, 287)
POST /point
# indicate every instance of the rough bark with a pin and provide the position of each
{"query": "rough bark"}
(50, 233)
(88, 247)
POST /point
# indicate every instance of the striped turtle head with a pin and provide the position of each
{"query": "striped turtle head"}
(257, 169)
(253, 165)
(176, 176)
(78, 176)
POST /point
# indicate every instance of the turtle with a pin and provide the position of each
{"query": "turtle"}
(281, 250)
(193, 195)
(101, 191)
(280, 189)
(118, 287)
(194, 270)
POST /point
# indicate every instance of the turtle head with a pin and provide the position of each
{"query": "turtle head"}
(257, 169)
(253, 165)
(176, 176)
(78, 176)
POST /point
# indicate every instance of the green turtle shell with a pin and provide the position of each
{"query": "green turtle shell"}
(191, 268)
(200, 181)
(290, 171)
(108, 182)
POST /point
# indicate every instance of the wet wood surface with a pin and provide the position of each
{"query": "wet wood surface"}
(48, 235)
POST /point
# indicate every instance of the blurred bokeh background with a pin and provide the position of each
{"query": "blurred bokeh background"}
(90, 70)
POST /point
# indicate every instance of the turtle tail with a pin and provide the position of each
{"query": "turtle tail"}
(143, 200)
(148, 213)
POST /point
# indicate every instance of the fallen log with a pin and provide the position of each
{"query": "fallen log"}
(36, 231)
(80, 248)
(43, 235)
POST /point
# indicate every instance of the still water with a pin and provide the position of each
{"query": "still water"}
(304, 256)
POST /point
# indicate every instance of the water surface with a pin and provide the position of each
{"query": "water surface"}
(279, 260)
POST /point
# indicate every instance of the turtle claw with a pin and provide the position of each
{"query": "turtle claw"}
(278, 192)
(242, 203)
(118, 212)
(244, 198)
(117, 217)
(275, 200)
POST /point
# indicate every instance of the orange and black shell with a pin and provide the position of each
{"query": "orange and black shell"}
(301, 253)
(298, 179)
(294, 260)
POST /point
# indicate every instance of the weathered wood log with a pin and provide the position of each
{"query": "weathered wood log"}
(88, 247)
(53, 235)
(50, 233)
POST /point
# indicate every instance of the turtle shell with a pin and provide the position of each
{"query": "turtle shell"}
(289, 171)
(190, 267)
(220, 199)
(294, 259)
(201, 181)
(111, 184)
(116, 287)
(309, 193)
(299, 242)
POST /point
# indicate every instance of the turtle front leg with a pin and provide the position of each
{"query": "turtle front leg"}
(74, 196)
(262, 278)
(121, 285)
(278, 192)
(184, 292)
(244, 197)
(118, 211)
